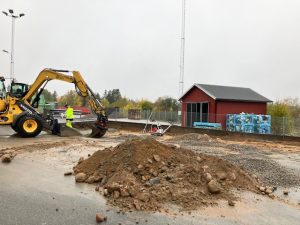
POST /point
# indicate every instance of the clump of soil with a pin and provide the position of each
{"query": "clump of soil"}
(144, 174)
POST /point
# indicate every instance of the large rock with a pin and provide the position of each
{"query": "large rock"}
(285, 191)
(100, 218)
(271, 196)
(116, 194)
(222, 175)
(140, 167)
(214, 187)
(156, 158)
(113, 187)
(269, 191)
(208, 177)
(105, 192)
(80, 177)
(153, 181)
(163, 169)
(103, 180)
(90, 180)
(232, 176)
(254, 176)
(132, 191)
(136, 204)
(176, 146)
(124, 193)
(199, 159)
(231, 203)
(143, 197)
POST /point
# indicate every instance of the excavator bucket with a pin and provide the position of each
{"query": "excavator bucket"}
(97, 132)
(99, 128)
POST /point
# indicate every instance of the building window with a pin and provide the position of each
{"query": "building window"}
(196, 112)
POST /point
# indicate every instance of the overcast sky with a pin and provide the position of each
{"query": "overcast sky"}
(134, 45)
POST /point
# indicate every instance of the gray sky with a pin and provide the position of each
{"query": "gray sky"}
(134, 45)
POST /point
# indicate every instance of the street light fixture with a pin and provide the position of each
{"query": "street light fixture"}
(13, 18)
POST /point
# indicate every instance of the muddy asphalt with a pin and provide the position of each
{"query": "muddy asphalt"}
(33, 189)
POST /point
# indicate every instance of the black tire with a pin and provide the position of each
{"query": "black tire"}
(29, 126)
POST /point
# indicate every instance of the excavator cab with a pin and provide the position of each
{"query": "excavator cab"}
(3, 104)
(2, 88)
(18, 90)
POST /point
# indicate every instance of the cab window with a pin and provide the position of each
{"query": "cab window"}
(18, 90)
(2, 90)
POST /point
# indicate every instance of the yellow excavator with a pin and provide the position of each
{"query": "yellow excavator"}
(18, 106)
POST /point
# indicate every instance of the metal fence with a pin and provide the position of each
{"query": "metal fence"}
(286, 126)
(163, 116)
(278, 125)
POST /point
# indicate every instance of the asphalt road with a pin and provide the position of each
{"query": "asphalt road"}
(31, 193)
(5, 130)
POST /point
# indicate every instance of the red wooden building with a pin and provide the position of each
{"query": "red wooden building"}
(211, 103)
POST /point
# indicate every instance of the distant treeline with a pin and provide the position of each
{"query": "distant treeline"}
(114, 98)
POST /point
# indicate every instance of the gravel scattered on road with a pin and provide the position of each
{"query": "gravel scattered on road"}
(254, 159)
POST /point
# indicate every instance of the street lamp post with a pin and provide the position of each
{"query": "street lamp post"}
(13, 16)
(182, 49)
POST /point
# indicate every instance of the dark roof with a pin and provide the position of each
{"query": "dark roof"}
(230, 93)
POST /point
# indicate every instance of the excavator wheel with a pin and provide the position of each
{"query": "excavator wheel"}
(29, 126)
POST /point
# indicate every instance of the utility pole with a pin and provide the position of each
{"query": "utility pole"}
(11, 14)
(182, 50)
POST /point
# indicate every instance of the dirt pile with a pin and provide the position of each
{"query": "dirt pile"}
(144, 174)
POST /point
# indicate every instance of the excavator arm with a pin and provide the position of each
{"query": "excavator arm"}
(82, 89)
